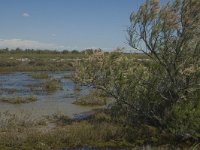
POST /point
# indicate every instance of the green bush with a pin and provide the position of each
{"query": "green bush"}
(185, 119)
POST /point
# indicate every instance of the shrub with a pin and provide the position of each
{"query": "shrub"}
(185, 120)
(51, 85)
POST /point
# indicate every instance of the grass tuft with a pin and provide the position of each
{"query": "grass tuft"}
(94, 98)
(51, 85)
(18, 100)
(41, 75)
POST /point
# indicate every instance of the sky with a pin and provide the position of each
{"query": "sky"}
(65, 24)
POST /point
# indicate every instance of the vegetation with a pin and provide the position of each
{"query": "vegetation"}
(162, 91)
(40, 75)
(171, 37)
(51, 85)
(18, 99)
(37, 60)
(93, 98)
(77, 88)
(68, 76)
(156, 93)
(42, 60)
(100, 131)
(23, 135)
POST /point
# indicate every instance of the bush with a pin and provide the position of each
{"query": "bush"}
(51, 85)
(162, 91)
(185, 120)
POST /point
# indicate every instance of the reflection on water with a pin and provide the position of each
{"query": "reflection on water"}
(21, 84)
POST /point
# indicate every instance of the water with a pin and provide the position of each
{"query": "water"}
(58, 102)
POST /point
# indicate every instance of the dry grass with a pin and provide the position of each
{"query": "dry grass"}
(94, 98)
(18, 99)
(40, 75)
(51, 85)
(22, 132)
(25, 133)
(22, 61)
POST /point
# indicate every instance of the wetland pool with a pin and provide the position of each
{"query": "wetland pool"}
(48, 103)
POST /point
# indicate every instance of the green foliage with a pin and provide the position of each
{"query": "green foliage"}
(131, 84)
(171, 38)
(169, 35)
(163, 90)
(185, 119)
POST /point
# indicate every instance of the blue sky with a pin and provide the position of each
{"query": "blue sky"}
(65, 24)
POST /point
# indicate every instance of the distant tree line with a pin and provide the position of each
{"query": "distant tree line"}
(39, 51)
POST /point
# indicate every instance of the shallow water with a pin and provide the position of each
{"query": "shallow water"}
(58, 102)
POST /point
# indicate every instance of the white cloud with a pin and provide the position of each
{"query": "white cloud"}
(25, 44)
(25, 14)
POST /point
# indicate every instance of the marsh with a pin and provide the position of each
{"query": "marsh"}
(21, 84)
